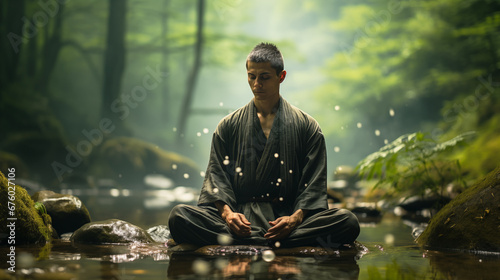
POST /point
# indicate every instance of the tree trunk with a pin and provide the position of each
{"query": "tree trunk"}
(186, 106)
(11, 14)
(114, 60)
(165, 117)
(51, 50)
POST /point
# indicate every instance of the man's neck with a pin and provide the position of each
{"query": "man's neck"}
(267, 106)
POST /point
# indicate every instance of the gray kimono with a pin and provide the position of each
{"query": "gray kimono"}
(265, 179)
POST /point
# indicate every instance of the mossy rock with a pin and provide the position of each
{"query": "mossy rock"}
(469, 222)
(31, 131)
(31, 227)
(68, 212)
(112, 231)
(129, 160)
(9, 160)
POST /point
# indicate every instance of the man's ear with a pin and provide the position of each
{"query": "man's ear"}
(282, 76)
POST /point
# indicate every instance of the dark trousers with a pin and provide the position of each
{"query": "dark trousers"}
(202, 225)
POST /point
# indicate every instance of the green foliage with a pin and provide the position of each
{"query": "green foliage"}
(414, 164)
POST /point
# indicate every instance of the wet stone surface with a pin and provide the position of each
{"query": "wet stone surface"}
(68, 213)
(112, 231)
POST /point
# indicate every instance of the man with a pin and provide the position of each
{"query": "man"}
(266, 177)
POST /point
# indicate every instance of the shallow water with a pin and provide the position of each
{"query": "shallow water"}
(391, 254)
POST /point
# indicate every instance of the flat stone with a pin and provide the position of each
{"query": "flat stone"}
(112, 231)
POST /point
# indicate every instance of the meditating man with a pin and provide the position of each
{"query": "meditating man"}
(266, 178)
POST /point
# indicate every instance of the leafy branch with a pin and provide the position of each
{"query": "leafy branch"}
(415, 164)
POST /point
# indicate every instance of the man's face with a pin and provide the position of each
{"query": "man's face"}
(263, 80)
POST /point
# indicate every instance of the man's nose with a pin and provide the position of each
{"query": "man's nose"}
(257, 83)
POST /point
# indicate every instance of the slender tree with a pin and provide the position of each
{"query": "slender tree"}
(191, 82)
(114, 58)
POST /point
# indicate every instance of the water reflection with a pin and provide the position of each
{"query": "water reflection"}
(255, 267)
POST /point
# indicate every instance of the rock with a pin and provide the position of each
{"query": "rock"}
(471, 221)
(68, 213)
(30, 226)
(419, 203)
(159, 233)
(131, 160)
(112, 231)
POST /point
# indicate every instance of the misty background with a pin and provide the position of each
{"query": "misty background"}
(121, 89)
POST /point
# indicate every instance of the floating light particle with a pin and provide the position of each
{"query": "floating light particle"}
(281, 198)
(291, 171)
(389, 239)
(238, 169)
(276, 155)
(226, 157)
(337, 107)
(336, 149)
(205, 130)
(221, 104)
(277, 244)
(377, 132)
(198, 134)
(277, 184)
(202, 173)
(224, 239)
(114, 192)
(391, 112)
(268, 255)
(241, 174)
(386, 141)
(186, 176)
(226, 162)
(215, 190)
(282, 162)
(174, 166)
(119, 175)
(25, 260)
(305, 185)
(267, 194)
(174, 129)
(221, 263)
(279, 180)
(360, 125)
(201, 267)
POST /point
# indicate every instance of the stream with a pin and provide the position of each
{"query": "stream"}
(389, 253)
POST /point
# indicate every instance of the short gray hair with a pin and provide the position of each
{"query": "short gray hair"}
(267, 52)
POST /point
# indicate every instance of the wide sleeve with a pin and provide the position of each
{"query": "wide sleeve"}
(217, 183)
(311, 190)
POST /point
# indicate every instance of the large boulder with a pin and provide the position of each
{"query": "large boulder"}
(471, 221)
(112, 231)
(68, 213)
(21, 222)
(130, 160)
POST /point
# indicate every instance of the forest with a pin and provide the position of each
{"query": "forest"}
(119, 89)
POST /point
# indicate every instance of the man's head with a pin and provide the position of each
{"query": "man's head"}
(265, 71)
(267, 52)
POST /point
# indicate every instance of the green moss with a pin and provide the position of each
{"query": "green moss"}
(471, 221)
(31, 227)
(9, 160)
(130, 159)
(481, 156)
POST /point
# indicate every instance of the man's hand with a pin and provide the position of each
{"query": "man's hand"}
(237, 222)
(283, 226)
